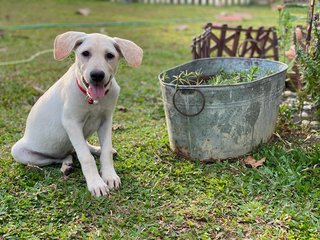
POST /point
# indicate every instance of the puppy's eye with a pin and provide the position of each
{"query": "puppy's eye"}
(109, 56)
(86, 53)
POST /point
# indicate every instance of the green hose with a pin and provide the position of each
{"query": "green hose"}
(26, 60)
(105, 24)
(53, 25)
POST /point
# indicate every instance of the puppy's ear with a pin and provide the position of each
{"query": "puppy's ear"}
(66, 42)
(131, 52)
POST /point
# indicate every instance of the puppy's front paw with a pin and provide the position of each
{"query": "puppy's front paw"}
(111, 179)
(98, 187)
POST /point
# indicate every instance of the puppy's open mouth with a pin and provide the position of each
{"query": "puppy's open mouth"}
(96, 90)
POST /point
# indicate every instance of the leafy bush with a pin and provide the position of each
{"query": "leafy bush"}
(309, 65)
(286, 24)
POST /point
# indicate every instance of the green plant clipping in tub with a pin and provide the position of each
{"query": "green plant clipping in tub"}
(219, 78)
(219, 108)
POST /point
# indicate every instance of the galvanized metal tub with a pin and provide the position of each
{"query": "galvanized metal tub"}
(220, 122)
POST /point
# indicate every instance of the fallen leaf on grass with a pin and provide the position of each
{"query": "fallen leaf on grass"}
(122, 108)
(117, 127)
(31, 166)
(83, 11)
(182, 27)
(39, 90)
(253, 162)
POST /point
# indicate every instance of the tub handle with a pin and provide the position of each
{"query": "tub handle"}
(188, 114)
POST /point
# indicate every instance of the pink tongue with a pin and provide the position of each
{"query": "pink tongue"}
(96, 91)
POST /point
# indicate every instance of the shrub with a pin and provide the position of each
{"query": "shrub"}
(309, 66)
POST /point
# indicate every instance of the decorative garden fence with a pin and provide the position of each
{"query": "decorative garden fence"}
(222, 41)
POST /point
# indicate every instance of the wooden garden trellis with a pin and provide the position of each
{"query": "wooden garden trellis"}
(236, 42)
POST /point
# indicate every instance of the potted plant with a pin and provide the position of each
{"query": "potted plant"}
(218, 108)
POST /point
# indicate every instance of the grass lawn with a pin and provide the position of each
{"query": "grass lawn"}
(162, 196)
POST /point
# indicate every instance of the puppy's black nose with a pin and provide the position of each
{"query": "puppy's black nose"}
(97, 76)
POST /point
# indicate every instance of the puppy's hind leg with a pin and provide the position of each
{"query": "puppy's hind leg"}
(25, 156)
(67, 165)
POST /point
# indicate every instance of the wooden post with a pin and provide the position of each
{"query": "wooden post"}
(309, 27)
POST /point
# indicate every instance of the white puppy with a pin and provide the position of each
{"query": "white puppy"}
(80, 103)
